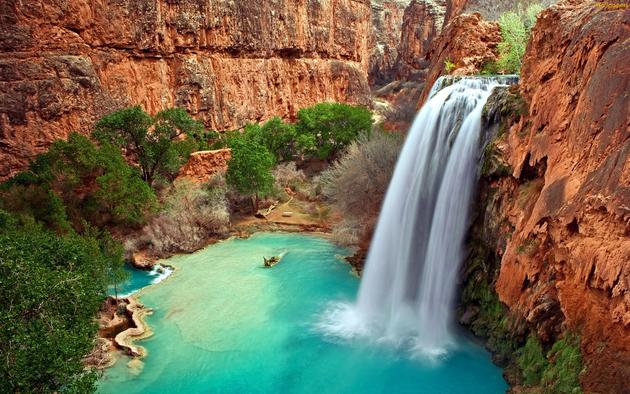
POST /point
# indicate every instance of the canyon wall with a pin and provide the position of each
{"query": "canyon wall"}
(556, 191)
(403, 33)
(63, 64)
(571, 243)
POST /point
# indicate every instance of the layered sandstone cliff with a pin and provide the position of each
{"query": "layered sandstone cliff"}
(65, 63)
(557, 190)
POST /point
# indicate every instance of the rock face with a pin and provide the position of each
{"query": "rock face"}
(387, 22)
(565, 196)
(201, 166)
(65, 63)
(403, 33)
(422, 23)
(467, 42)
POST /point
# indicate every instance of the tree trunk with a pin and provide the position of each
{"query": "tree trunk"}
(255, 203)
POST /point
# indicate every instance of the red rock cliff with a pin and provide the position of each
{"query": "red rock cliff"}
(65, 63)
(567, 265)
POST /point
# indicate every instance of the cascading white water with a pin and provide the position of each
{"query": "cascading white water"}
(410, 279)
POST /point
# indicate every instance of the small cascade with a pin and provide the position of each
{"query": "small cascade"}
(410, 280)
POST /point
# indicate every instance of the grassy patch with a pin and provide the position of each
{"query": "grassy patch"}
(565, 366)
(532, 361)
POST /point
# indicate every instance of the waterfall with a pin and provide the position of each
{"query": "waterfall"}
(410, 279)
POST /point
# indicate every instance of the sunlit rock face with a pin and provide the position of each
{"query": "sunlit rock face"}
(468, 42)
(573, 146)
(202, 166)
(63, 64)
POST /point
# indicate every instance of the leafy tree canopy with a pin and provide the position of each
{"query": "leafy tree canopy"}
(160, 144)
(325, 129)
(277, 136)
(515, 31)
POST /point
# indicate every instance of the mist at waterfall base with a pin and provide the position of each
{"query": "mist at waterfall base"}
(407, 294)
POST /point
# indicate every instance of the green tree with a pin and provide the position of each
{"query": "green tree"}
(325, 129)
(160, 144)
(249, 169)
(277, 136)
(51, 287)
(77, 180)
(515, 31)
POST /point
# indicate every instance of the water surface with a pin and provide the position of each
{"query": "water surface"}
(138, 279)
(224, 324)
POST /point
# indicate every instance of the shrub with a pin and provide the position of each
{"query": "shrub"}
(563, 374)
(160, 144)
(325, 129)
(287, 175)
(347, 232)
(449, 66)
(52, 287)
(356, 184)
(191, 214)
(515, 30)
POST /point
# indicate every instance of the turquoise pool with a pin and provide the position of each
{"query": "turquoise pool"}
(224, 324)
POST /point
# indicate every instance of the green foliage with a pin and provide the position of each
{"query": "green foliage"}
(249, 169)
(51, 287)
(531, 361)
(515, 30)
(449, 66)
(160, 144)
(563, 374)
(75, 181)
(489, 68)
(322, 130)
(277, 136)
(558, 371)
(325, 129)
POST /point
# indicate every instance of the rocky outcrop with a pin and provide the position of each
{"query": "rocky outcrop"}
(403, 33)
(203, 165)
(387, 22)
(63, 64)
(467, 43)
(422, 23)
(453, 8)
(559, 190)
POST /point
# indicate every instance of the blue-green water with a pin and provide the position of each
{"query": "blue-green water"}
(138, 279)
(223, 324)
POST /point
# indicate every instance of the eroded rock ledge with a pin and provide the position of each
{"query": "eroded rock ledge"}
(120, 325)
